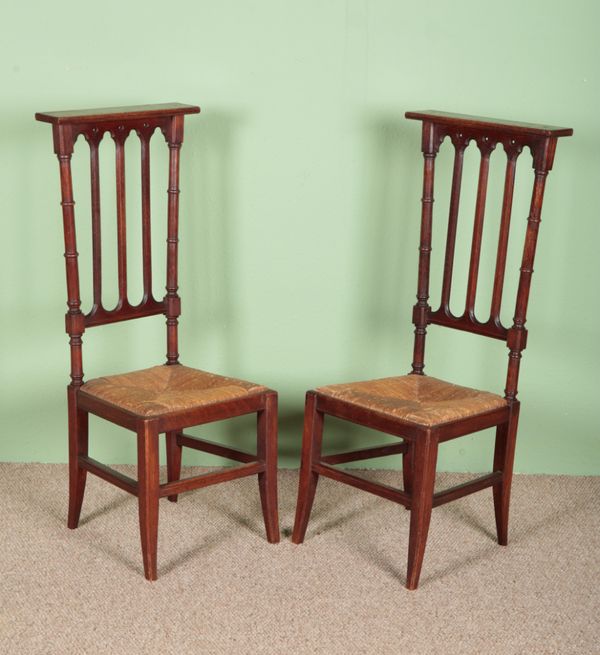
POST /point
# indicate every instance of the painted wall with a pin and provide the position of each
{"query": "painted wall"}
(300, 203)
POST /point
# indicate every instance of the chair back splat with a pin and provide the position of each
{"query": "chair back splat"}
(67, 126)
(487, 134)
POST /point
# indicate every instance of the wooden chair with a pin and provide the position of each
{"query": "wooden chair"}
(165, 398)
(425, 411)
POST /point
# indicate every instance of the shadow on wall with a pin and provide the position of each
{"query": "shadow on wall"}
(387, 246)
(210, 338)
(386, 262)
(383, 279)
(207, 258)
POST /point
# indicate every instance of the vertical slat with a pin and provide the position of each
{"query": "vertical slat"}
(509, 183)
(174, 136)
(430, 146)
(94, 141)
(459, 150)
(146, 235)
(486, 147)
(119, 137)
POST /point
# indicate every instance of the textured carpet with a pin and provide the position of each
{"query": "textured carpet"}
(223, 589)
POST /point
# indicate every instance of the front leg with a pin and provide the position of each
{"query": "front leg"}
(148, 490)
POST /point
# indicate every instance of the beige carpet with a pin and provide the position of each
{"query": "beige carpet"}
(223, 589)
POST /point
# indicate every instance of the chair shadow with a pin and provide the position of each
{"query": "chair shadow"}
(209, 278)
(104, 509)
(241, 519)
(208, 544)
(396, 567)
(134, 563)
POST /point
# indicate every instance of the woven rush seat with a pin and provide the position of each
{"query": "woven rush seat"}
(416, 398)
(167, 389)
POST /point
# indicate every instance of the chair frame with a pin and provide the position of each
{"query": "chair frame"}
(119, 123)
(419, 445)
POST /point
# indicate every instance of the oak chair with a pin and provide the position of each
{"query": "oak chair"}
(424, 411)
(165, 398)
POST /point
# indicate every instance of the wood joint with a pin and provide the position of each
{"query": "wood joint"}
(421, 314)
(172, 306)
(516, 339)
(74, 323)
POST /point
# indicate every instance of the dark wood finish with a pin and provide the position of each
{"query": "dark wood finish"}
(174, 455)
(208, 479)
(421, 503)
(266, 450)
(460, 490)
(358, 482)
(138, 113)
(365, 453)
(174, 136)
(504, 455)
(420, 442)
(110, 475)
(78, 449)
(148, 494)
(121, 123)
(311, 456)
(214, 448)
(484, 124)
(459, 150)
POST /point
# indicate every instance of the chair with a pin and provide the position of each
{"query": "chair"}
(425, 411)
(165, 398)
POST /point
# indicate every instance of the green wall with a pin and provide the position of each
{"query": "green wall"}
(300, 203)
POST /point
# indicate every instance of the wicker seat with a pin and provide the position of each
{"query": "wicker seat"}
(418, 399)
(162, 390)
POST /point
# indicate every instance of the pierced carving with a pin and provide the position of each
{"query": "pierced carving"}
(460, 140)
(120, 133)
(512, 147)
(486, 145)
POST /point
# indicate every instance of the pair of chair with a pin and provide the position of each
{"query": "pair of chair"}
(421, 411)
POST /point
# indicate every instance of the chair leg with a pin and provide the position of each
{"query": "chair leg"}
(424, 464)
(504, 457)
(266, 449)
(78, 445)
(407, 464)
(174, 452)
(311, 452)
(148, 488)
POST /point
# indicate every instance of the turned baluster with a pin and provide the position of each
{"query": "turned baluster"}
(74, 320)
(431, 140)
(174, 137)
(543, 157)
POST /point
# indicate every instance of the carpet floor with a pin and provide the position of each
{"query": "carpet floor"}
(223, 589)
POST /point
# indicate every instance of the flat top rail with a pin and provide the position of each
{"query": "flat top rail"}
(483, 123)
(116, 113)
